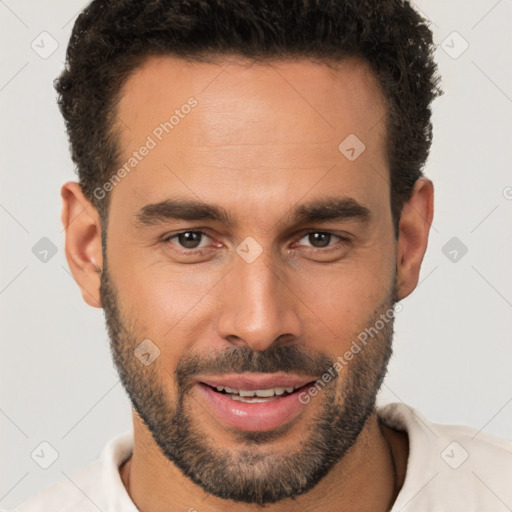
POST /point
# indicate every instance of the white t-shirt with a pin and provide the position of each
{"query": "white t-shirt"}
(450, 469)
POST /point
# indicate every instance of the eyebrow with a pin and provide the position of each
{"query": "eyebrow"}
(319, 210)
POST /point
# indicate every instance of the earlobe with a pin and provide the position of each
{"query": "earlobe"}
(415, 223)
(81, 222)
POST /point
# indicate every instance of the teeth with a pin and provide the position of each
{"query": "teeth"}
(252, 400)
(262, 393)
(242, 392)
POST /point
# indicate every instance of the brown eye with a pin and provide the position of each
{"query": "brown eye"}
(322, 243)
(319, 239)
(190, 239)
(187, 239)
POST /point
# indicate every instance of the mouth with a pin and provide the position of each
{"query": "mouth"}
(255, 403)
(258, 395)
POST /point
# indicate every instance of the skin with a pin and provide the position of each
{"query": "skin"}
(262, 139)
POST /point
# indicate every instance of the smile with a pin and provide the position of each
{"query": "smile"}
(253, 402)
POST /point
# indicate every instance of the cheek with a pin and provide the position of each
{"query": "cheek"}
(165, 303)
(342, 299)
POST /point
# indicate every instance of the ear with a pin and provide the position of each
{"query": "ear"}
(83, 241)
(414, 228)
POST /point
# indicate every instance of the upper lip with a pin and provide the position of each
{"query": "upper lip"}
(255, 381)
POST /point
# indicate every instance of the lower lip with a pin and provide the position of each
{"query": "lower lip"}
(252, 416)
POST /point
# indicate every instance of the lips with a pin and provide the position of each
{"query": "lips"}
(256, 402)
(254, 382)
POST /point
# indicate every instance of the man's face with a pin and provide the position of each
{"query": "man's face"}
(263, 290)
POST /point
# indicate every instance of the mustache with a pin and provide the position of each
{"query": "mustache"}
(279, 358)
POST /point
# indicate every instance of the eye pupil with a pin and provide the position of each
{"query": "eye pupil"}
(189, 239)
(319, 239)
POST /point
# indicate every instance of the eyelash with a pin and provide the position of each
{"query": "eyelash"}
(200, 251)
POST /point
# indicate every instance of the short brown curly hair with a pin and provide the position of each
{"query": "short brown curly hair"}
(111, 38)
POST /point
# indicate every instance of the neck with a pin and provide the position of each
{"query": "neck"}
(368, 478)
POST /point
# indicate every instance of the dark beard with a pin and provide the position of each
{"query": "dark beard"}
(249, 473)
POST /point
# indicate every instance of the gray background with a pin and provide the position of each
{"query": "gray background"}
(453, 350)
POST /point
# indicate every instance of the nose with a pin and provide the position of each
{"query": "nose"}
(258, 306)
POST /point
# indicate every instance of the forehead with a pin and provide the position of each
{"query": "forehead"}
(275, 125)
(238, 91)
